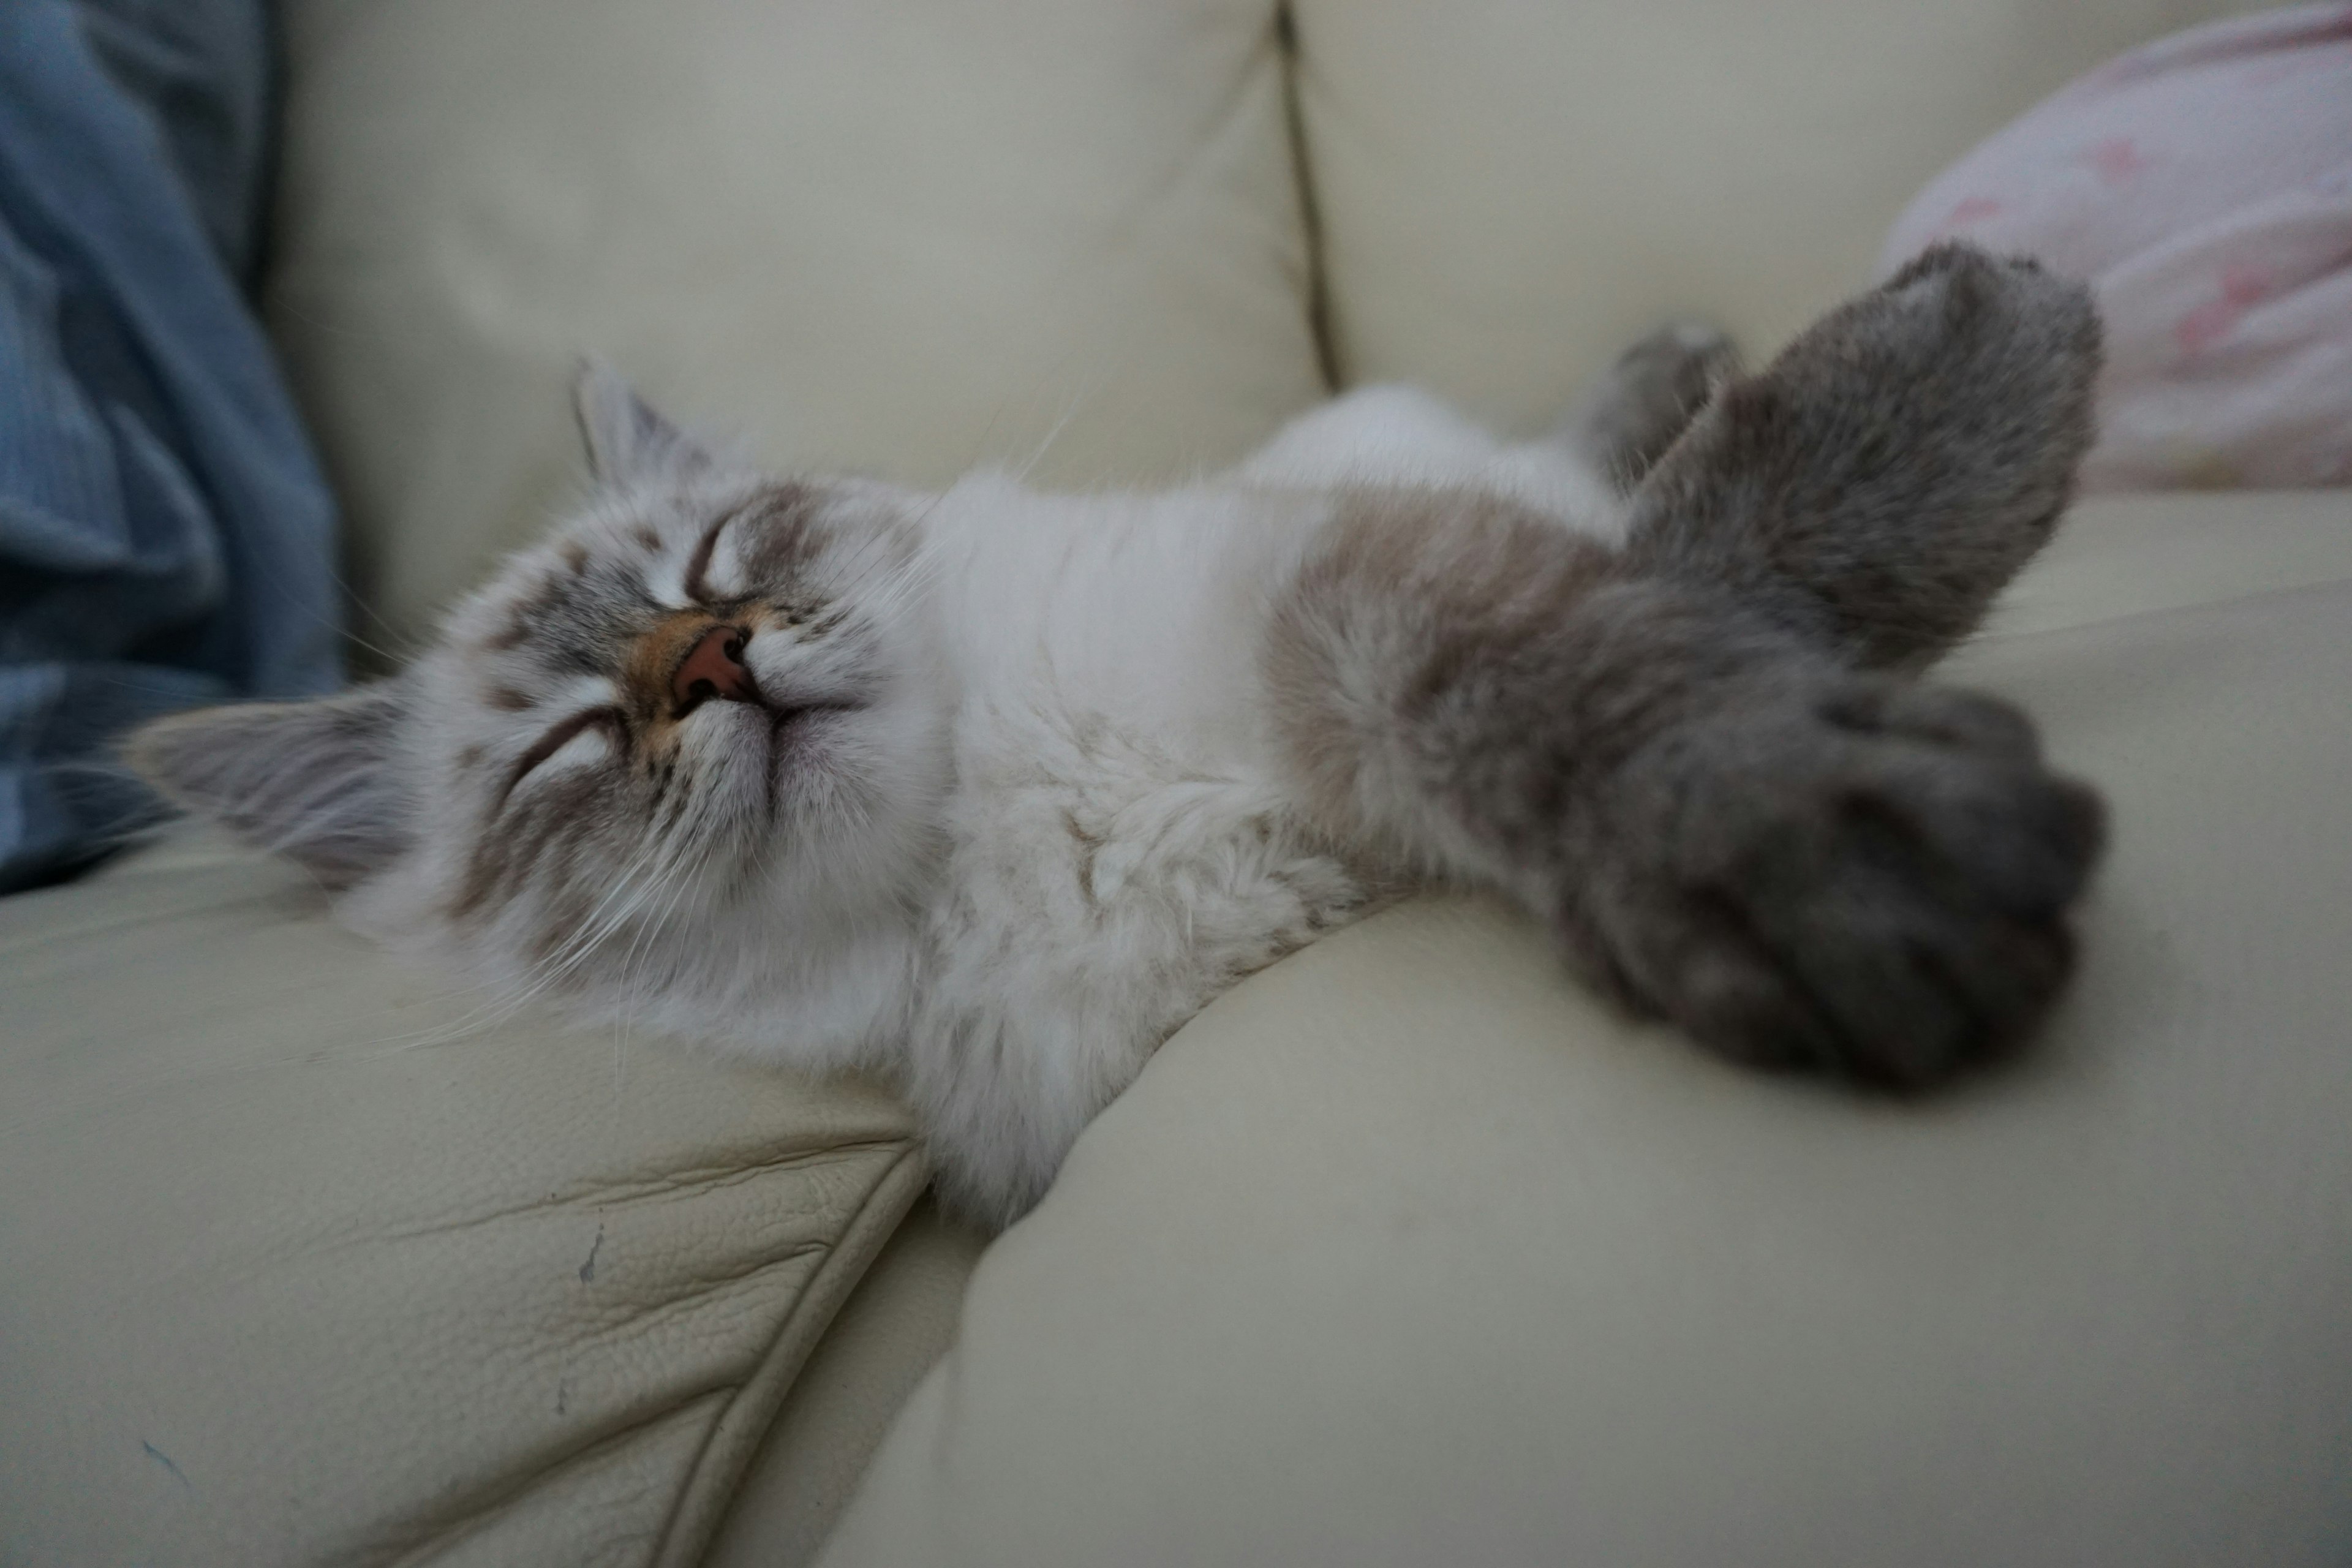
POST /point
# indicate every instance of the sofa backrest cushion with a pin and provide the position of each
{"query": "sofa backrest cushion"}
(1510, 192)
(905, 238)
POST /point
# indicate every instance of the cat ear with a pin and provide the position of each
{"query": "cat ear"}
(316, 781)
(628, 441)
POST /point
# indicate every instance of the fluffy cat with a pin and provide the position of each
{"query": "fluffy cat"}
(990, 790)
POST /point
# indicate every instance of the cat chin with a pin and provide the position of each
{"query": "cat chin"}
(819, 989)
(764, 971)
(838, 1005)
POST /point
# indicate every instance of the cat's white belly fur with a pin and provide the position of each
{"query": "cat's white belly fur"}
(1119, 851)
(1394, 434)
(1099, 891)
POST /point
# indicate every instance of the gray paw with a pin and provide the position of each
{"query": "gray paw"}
(1627, 419)
(1884, 476)
(1860, 878)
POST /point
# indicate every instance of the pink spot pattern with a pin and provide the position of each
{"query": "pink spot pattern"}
(2117, 159)
(2242, 287)
(1971, 210)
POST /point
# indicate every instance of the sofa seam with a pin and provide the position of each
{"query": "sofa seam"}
(1994, 636)
(698, 1506)
(1291, 57)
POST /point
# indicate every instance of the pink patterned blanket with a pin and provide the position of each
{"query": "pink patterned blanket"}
(2203, 185)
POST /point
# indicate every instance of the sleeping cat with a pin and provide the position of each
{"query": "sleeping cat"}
(990, 790)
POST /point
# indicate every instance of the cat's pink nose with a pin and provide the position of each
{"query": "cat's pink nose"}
(714, 669)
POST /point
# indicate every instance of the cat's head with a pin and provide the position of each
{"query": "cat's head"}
(702, 716)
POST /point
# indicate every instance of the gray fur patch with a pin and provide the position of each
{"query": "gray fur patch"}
(1669, 752)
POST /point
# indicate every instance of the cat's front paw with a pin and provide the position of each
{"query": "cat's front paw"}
(1862, 879)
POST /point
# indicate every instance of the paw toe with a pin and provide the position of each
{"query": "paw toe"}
(1990, 835)
(1735, 1003)
(1973, 294)
(1687, 356)
(1962, 720)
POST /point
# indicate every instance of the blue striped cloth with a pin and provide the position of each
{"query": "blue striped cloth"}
(166, 537)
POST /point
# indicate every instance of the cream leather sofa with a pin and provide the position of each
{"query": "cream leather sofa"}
(1405, 1252)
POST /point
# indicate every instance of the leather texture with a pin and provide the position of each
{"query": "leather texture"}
(1408, 1252)
(309, 1261)
(1510, 192)
(904, 238)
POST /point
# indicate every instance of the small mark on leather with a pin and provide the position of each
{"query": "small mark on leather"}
(588, 1269)
(164, 1459)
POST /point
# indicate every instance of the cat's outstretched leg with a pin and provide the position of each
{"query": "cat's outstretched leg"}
(1886, 475)
(1624, 423)
(1669, 752)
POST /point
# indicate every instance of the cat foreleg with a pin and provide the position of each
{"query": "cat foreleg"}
(1725, 826)
(1882, 478)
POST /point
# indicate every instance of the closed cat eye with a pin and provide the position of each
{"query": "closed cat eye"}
(556, 739)
(698, 568)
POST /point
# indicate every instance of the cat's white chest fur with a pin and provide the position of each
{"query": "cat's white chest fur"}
(1117, 848)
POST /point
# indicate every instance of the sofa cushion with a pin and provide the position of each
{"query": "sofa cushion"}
(905, 237)
(1510, 194)
(1408, 1252)
(309, 1261)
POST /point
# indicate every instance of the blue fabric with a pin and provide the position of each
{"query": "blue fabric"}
(166, 537)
